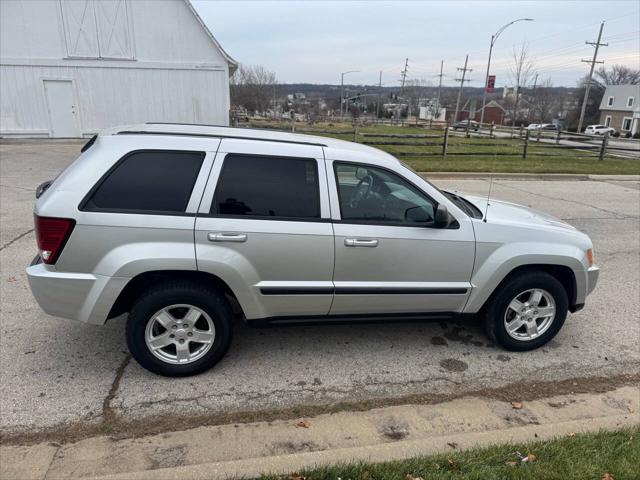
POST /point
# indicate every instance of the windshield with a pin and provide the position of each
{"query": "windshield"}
(462, 203)
(409, 167)
(465, 205)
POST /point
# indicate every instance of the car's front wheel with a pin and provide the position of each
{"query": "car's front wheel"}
(527, 311)
(179, 329)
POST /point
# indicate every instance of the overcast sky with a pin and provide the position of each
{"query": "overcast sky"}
(313, 41)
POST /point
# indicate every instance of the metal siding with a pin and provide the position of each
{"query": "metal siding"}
(179, 74)
(112, 96)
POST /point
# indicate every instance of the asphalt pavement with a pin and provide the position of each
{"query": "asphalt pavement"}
(56, 372)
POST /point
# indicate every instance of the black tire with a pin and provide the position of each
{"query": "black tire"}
(209, 300)
(495, 312)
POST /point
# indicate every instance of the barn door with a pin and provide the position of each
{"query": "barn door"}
(80, 29)
(97, 28)
(63, 118)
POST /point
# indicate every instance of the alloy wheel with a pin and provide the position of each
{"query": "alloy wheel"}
(530, 314)
(180, 334)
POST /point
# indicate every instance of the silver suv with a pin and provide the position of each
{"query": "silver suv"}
(180, 226)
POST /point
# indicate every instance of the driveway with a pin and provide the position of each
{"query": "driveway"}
(55, 371)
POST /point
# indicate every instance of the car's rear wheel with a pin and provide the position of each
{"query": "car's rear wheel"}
(527, 311)
(179, 329)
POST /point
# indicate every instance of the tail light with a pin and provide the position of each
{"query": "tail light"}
(52, 234)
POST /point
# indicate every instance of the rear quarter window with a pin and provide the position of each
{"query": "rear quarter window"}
(157, 182)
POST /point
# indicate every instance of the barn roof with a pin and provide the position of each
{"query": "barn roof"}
(233, 64)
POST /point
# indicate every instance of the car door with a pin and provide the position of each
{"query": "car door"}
(264, 227)
(386, 260)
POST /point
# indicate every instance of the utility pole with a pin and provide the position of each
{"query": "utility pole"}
(379, 93)
(535, 97)
(464, 71)
(402, 82)
(341, 93)
(593, 62)
(404, 74)
(342, 89)
(439, 88)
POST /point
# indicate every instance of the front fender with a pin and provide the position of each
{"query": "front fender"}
(494, 262)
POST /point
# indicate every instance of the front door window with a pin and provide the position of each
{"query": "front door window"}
(377, 196)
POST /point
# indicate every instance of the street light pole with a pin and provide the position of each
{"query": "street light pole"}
(342, 88)
(494, 37)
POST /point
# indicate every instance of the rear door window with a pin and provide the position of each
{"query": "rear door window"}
(267, 187)
(156, 182)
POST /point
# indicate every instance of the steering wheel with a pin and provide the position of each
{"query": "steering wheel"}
(362, 191)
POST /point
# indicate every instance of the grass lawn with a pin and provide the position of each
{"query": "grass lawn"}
(531, 165)
(541, 158)
(581, 457)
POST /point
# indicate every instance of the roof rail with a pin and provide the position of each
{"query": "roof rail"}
(212, 135)
(188, 124)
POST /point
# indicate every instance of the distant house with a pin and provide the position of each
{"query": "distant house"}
(69, 68)
(493, 112)
(620, 108)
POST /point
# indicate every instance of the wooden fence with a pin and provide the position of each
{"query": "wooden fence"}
(507, 141)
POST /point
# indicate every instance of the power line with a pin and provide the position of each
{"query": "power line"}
(379, 92)
(593, 62)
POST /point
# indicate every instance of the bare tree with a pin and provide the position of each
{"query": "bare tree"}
(617, 75)
(520, 72)
(252, 88)
(545, 101)
(414, 90)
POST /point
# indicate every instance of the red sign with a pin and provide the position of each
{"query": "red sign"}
(491, 83)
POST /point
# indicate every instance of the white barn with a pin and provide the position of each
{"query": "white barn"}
(69, 68)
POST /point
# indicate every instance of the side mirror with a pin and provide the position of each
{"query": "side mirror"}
(442, 218)
(418, 215)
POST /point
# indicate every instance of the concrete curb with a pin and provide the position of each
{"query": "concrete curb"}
(287, 464)
(526, 176)
(634, 178)
(285, 446)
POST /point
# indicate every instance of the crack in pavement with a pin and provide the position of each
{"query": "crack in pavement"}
(615, 214)
(613, 183)
(54, 457)
(17, 188)
(251, 396)
(617, 254)
(578, 219)
(11, 242)
(155, 424)
(108, 413)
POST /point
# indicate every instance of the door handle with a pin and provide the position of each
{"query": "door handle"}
(360, 242)
(227, 237)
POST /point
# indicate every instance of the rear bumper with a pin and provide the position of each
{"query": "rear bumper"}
(78, 296)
